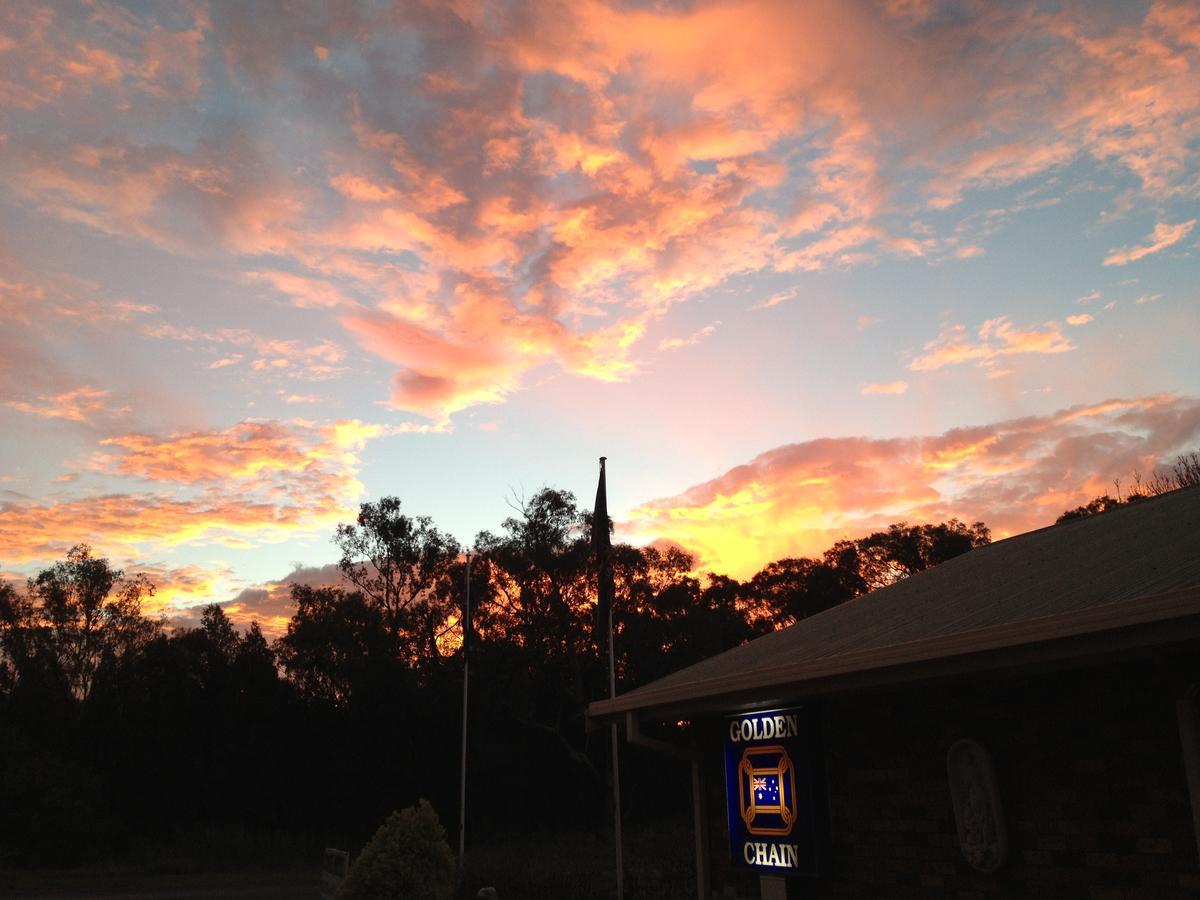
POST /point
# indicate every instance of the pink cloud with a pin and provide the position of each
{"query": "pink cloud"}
(80, 405)
(891, 387)
(294, 359)
(270, 604)
(691, 340)
(305, 292)
(566, 173)
(1161, 238)
(1014, 475)
(996, 338)
(256, 481)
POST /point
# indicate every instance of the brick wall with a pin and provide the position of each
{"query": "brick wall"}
(1090, 777)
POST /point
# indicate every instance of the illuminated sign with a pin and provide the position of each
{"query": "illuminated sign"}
(773, 785)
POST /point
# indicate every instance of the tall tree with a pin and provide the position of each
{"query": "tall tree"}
(87, 613)
(886, 557)
(335, 642)
(794, 588)
(403, 565)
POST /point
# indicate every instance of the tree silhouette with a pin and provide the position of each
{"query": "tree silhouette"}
(85, 613)
(794, 588)
(402, 565)
(334, 644)
(1184, 473)
(115, 729)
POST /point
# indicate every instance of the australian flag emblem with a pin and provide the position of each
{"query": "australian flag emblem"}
(767, 790)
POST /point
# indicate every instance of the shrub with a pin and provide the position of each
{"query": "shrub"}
(407, 859)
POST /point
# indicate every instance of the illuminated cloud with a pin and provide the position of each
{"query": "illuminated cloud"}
(253, 483)
(999, 165)
(996, 338)
(80, 405)
(482, 197)
(1014, 475)
(246, 450)
(891, 387)
(1161, 238)
(54, 296)
(1081, 319)
(691, 340)
(181, 588)
(305, 292)
(270, 604)
(568, 172)
(777, 298)
(108, 54)
(309, 361)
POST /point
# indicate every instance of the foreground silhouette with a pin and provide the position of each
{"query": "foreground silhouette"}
(120, 736)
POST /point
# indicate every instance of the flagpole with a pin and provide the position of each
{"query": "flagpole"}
(607, 594)
(462, 784)
(612, 691)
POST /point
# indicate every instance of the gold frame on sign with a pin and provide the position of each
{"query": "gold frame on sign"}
(750, 808)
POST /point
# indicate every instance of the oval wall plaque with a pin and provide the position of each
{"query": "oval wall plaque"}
(977, 811)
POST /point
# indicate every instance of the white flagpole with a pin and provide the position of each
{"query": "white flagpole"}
(462, 784)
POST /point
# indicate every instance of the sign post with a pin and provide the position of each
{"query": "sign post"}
(774, 791)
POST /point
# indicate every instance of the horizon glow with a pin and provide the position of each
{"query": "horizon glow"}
(797, 272)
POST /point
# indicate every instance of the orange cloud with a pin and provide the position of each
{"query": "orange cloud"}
(891, 387)
(254, 482)
(1014, 475)
(995, 166)
(1163, 236)
(242, 451)
(50, 57)
(179, 588)
(316, 361)
(79, 405)
(996, 338)
(692, 339)
(270, 604)
(1081, 319)
(303, 291)
(62, 296)
(568, 172)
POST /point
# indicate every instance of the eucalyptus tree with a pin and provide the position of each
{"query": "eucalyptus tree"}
(84, 613)
(404, 566)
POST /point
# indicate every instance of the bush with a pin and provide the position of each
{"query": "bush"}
(407, 859)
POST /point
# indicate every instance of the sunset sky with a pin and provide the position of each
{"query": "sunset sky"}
(798, 269)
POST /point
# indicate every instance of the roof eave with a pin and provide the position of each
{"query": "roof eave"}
(1120, 629)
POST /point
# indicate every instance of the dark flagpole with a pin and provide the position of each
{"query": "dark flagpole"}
(462, 784)
(606, 593)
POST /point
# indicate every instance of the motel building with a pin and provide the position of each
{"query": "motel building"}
(1020, 721)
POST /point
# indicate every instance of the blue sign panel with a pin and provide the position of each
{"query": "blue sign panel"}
(773, 783)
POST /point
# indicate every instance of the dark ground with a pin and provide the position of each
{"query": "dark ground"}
(576, 864)
(105, 883)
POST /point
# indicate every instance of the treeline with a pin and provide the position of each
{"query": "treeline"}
(117, 732)
(1184, 473)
